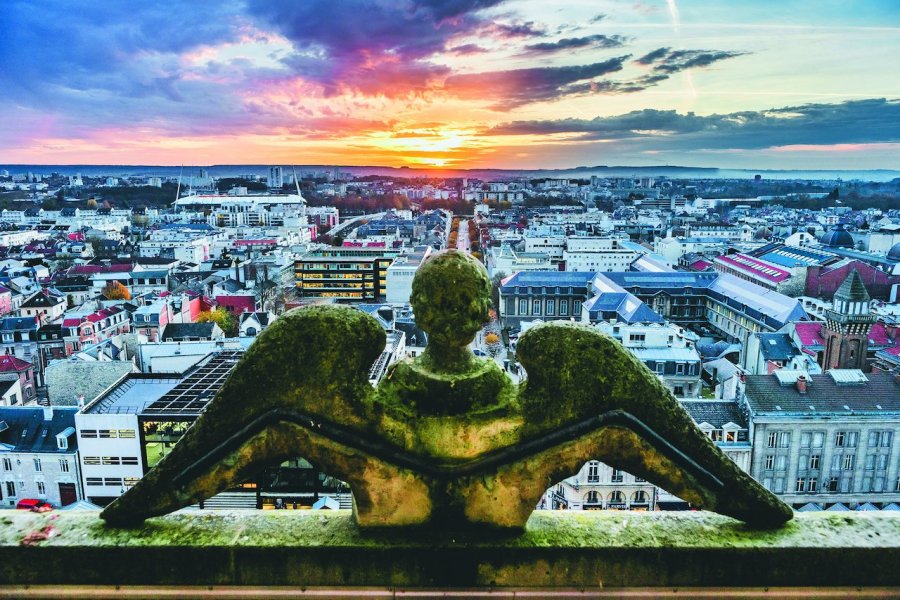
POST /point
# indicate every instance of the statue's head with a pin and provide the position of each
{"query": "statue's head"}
(451, 298)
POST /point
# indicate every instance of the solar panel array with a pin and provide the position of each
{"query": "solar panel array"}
(194, 392)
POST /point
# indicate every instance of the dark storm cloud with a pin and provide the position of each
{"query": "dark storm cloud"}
(507, 89)
(572, 43)
(383, 47)
(514, 30)
(852, 122)
(451, 9)
(94, 45)
(653, 56)
(467, 49)
(666, 60)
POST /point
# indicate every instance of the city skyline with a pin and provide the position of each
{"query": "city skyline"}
(458, 84)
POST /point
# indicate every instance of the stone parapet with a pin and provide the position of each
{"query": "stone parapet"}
(558, 550)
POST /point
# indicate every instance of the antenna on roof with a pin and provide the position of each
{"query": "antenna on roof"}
(178, 189)
(296, 181)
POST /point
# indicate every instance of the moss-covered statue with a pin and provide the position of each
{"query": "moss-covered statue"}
(446, 439)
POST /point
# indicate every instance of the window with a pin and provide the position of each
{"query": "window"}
(637, 337)
(564, 307)
(11, 488)
(7, 464)
(63, 465)
(42, 488)
(832, 484)
(779, 485)
(88, 433)
(880, 438)
(592, 497)
(576, 307)
(593, 472)
(812, 485)
(126, 434)
(882, 462)
(660, 367)
(129, 460)
(870, 462)
(92, 481)
(772, 439)
(679, 368)
(536, 307)
(37, 465)
(805, 439)
(91, 460)
(781, 462)
(814, 461)
(130, 481)
(846, 439)
(784, 439)
(769, 462)
(110, 460)
(847, 463)
(818, 439)
(523, 306)
(617, 476)
(801, 485)
(112, 481)
(551, 308)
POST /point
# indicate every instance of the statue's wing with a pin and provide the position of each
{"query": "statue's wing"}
(601, 403)
(307, 370)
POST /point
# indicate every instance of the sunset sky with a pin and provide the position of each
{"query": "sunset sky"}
(457, 83)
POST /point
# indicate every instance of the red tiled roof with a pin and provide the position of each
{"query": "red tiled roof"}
(261, 242)
(11, 363)
(752, 266)
(700, 265)
(810, 334)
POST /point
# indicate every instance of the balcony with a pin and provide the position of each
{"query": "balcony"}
(608, 551)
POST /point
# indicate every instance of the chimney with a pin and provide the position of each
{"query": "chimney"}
(48, 413)
(801, 384)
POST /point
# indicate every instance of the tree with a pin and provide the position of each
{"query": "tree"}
(221, 317)
(114, 290)
(264, 288)
(496, 282)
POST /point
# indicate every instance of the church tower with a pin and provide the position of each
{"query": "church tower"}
(847, 326)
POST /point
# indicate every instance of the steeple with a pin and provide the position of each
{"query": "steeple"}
(852, 290)
(847, 326)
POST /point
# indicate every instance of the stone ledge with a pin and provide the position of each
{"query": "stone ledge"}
(557, 550)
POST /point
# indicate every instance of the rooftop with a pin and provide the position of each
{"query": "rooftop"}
(190, 396)
(829, 393)
(754, 267)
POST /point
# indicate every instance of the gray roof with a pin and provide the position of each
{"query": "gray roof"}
(880, 394)
(178, 331)
(776, 346)
(26, 430)
(716, 413)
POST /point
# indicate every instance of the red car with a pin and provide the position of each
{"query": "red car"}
(34, 504)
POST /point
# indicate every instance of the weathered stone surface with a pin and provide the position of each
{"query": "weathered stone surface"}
(556, 549)
(446, 439)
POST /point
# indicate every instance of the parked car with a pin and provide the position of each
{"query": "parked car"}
(34, 504)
